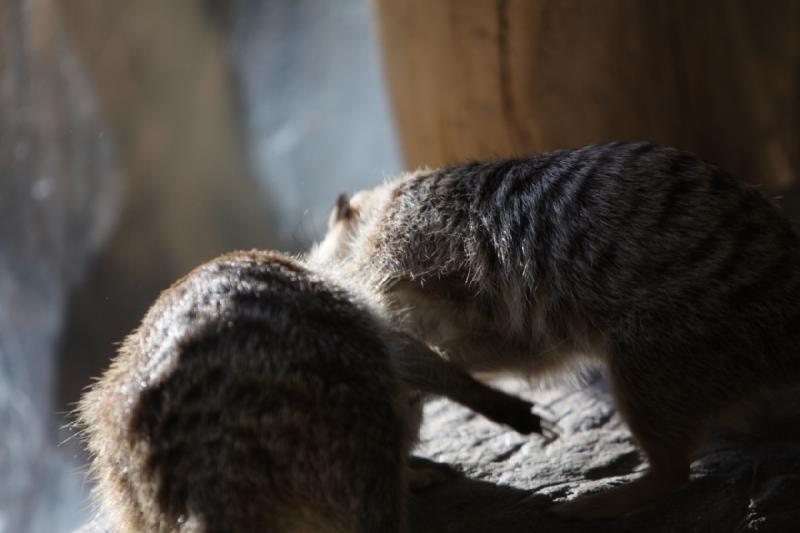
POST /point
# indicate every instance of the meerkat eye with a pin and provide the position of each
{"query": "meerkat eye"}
(342, 211)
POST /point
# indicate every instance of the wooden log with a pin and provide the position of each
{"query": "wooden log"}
(481, 78)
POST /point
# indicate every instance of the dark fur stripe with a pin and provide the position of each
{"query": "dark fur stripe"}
(675, 201)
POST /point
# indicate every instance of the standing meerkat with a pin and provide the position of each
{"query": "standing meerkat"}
(257, 396)
(682, 280)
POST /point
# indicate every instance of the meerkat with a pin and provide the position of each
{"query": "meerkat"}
(683, 281)
(259, 396)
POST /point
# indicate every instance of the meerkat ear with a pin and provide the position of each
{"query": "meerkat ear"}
(341, 210)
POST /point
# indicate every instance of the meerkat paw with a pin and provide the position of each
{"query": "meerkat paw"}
(425, 474)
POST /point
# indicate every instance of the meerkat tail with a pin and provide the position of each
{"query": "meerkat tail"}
(421, 368)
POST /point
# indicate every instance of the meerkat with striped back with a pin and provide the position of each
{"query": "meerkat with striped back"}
(679, 278)
(257, 395)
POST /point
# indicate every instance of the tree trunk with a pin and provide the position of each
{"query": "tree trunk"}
(473, 78)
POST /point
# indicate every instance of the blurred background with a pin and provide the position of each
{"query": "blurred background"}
(139, 139)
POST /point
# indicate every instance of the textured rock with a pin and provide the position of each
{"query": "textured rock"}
(506, 482)
(741, 483)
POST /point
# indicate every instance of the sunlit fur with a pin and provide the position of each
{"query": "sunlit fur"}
(259, 396)
(254, 397)
(682, 280)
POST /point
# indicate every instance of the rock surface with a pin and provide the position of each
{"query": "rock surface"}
(506, 482)
(741, 483)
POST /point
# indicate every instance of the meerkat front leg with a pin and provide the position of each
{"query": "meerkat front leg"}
(665, 421)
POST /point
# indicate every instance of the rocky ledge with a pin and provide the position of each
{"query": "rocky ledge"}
(505, 482)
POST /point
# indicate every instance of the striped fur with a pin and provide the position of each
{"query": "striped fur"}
(683, 280)
(258, 396)
(253, 397)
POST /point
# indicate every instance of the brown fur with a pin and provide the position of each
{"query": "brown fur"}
(681, 279)
(259, 396)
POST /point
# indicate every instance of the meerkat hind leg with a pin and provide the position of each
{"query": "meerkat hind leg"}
(663, 421)
(667, 474)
